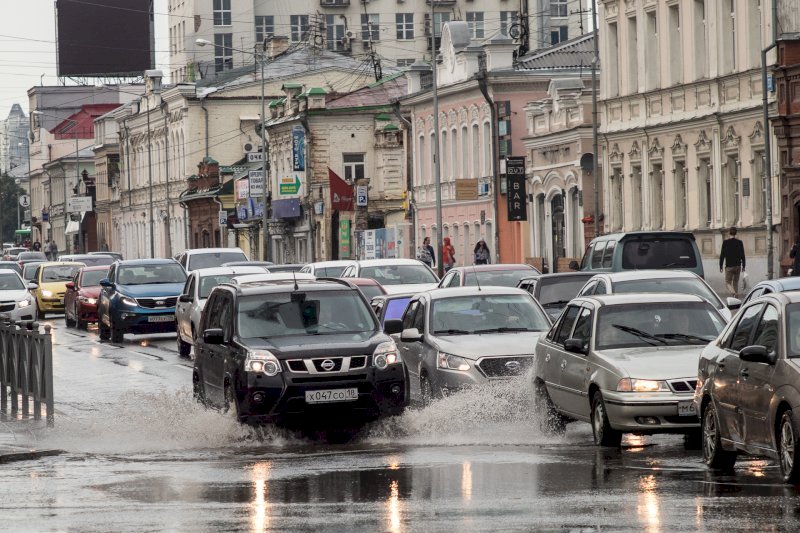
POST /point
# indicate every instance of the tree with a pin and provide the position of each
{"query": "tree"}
(9, 191)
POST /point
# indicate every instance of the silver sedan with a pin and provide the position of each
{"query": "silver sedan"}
(625, 364)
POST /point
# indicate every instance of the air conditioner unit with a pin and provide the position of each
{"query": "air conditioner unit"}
(250, 146)
(349, 35)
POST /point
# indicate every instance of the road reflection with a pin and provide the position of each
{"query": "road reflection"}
(648, 508)
(259, 520)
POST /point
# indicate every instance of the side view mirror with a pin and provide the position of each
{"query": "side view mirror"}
(411, 335)
(733, 303)
(213, 336)
(757, 354)
(70, 285)
(105, 282)
(185, 298)
(393, 326)
(573, 265)
(33, 286)
(576, 346)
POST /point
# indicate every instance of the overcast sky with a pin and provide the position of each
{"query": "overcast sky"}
(28, 50)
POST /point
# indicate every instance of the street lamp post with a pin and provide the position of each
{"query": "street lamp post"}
(436, 169)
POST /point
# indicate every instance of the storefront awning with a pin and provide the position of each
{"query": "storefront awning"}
(23, 232)
(289, 208)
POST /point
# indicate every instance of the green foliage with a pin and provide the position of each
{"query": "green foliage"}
(8, 207)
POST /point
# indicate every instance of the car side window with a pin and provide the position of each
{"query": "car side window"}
(755, 293)
(187, 288)
(608, 255)
(419, 318)
(447, 279)
(565, 330)
(588, 289)
(597, 254)
(226, 318)
(112, 272)
(76, 278)
(767, 330)
(408, 316)
(601, 287)
(456, 281)
(741, 334)
(211, 312)
(583, 326)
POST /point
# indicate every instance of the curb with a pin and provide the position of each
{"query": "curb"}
(11, 454)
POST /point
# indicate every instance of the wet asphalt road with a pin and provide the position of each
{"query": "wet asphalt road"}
(139, 455)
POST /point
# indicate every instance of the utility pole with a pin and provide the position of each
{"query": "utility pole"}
(150, 181)
(595, 177)
(436, 170)
(267, 238)
(768, 141)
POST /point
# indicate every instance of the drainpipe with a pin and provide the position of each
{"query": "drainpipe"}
(483, 86)
(409, 143)
(768, 139)
(205, 111)
(166, 169)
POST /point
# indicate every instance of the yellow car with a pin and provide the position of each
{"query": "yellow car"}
(51, 281)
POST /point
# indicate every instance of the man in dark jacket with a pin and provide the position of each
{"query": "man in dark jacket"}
(732, 257)
(795, 255)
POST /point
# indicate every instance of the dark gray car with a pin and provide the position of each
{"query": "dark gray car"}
(749, 393)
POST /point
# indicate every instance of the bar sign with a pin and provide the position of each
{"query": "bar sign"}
(516, 192)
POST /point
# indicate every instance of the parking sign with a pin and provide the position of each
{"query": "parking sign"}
(361, 196)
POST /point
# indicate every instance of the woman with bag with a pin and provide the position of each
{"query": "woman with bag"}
(481, 253)
(448, 255)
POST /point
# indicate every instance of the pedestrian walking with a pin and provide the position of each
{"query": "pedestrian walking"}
(733, 259)
(795, 255)
(481, 253)
(426, 253)
(448, 255)
(47, 251)
(53, 251)
(37, 246)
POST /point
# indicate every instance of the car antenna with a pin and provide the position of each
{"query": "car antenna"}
(295, 280)
(475, 271)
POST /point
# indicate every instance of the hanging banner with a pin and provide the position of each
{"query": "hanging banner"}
(341, 193)
(298, 149)
(344, 239)
(516, 192)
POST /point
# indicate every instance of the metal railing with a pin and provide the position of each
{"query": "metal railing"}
(26, 370)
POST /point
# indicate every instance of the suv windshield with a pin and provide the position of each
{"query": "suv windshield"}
(304, 313)
(399, 274)
(60, 272)
(679, 285)
(498, 278)
(657, 324)
(214, 259)
(151, 274)
(560, 290)
(494, 313)
(91, 278)
(10, 282)
(663, 253)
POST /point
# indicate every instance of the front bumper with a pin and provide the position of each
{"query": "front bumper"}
(649, 412)
(51, 305)
(138, 320)
(87, 312)
(25, 313)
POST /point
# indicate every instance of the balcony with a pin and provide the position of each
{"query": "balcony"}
(334, 3)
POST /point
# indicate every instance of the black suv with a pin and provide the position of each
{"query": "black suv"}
(297, 351)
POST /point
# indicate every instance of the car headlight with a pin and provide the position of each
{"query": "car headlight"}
(262, 361)
(452, 362)
(24, 303)
(90, 301)
(47, 294)
(641, 385)
(127, 300)
(385, 354)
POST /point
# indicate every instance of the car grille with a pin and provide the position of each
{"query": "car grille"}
(157, 303)
(501, 367)
(682, 385)
(327, 365)
(6, 306)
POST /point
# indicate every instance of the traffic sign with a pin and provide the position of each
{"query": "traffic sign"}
(223, 218)
(25, 200)
(361, 196)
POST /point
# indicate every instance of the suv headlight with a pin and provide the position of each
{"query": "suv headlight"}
(641, 385)
(452, 362)
(262, 361)
(385, 354)
(127, 300)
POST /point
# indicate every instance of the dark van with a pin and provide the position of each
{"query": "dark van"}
(640, 250)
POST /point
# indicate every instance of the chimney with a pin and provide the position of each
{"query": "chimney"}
(278, 45)
(152, 80)
(500, 53)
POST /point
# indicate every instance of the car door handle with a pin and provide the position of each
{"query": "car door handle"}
(563, 364)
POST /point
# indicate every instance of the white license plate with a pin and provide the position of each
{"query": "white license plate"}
(686, 409)
(332, 395)
(162, 318)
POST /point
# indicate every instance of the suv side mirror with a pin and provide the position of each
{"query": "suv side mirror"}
(733, 303)
(573, 265)
(393, 326)
(33, 286)
(185, 298)
(576, 346)
(213, 336)
(105, 282)
(411, 335)
(757, 354)
(70, 285)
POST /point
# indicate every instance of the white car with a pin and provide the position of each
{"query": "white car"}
(396, 275)
(273, 276)
(195, 293)
(327, 269)
(209, 257)
(16, 303)
(658, 281)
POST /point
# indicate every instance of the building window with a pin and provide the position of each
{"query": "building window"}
(558, 8)
(700, 44)
(405, 26)
(675, 46)
(370, 27)
(223, 51)
(728, 51)
(476, 152)
(651, 52)
(421, 167)
(464, 152)
(559, 34)
(475, 23)
(299, 27)
(487, 150)
(704, 179)
(405, 62)
(681, 199)
(265, 27)
(613, 60)
(636, 207)
(507, 20)
(454, 153)
(222, 12)
(733, 193)
(633, 56)
(759, 193)
(438, 20)
(754, 31)
(617, 200)
(353, 167)
(334, 32)
(656, 196)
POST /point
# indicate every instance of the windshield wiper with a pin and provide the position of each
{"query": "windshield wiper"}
(641, 334)
(501, 330)
(452, 332)
(685, 336)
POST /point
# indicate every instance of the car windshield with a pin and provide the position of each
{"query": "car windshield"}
(657, 324)
(17, 251)
(370, 291)
(304, 313)
(11, 282)
(663, 253)
(207, 283)
(558, 291)
(32, 256)
(399, 274)
(501, 278)
(10, 265)
(491, 313)
(214, 259)
(60, 272)
(395, 308)
(679, 285)
(151, 274)
(29, 272)
(91, 278)
(329, 271)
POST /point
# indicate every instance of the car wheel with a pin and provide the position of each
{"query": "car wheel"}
(184, 348)
(231, 404)
(68, 321)
(550, 420)
(105, 334)
(604, 434)
(788, 441)
(714, 456)
(197, 389)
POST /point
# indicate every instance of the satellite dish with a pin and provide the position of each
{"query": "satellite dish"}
(587, 161)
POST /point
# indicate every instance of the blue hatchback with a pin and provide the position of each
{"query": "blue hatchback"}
(139, 296)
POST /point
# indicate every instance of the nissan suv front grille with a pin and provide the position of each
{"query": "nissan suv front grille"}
(327, 365)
